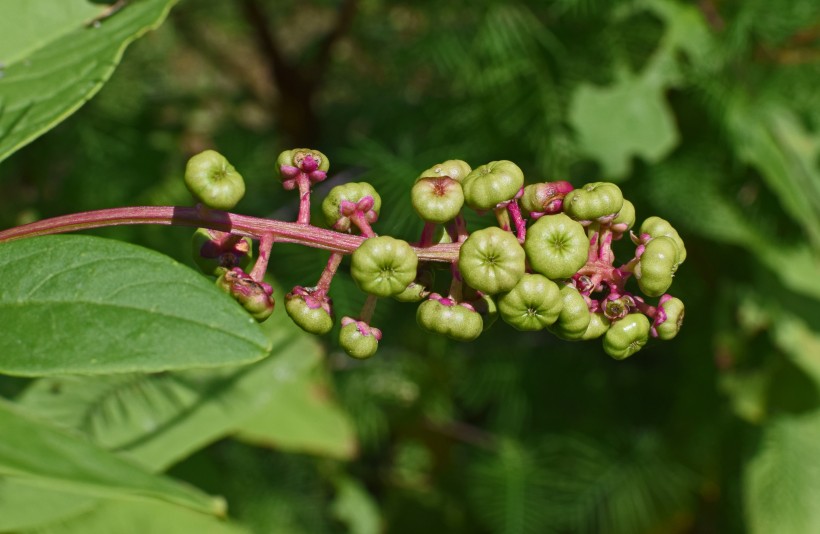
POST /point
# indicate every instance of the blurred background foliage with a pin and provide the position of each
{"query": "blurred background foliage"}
(705, 113)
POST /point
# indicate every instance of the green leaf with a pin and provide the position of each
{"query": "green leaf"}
(54, 62)
(628, 118)
(157, 420)
(57, 459)
(77, 304)
(23, 506)
(147, 517)
(354, 507)
(782, 486)
(774, 142)
(301, 417)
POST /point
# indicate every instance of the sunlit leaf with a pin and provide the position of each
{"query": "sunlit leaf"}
(45, 79)
(78, 304)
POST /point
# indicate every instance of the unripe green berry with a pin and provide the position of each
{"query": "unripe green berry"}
(255, 297)
(419, 288)
(574, 318)
(532, 304)
(626, 336)
(593, 201)
(491, 260)
(310, 312)
(625, 219)
(344, 200)
(556, 246)
(446, 317)
(358, 339)
(437, 200)
(453, 168)
(296, 157)
(656, 266)
(493, 183)
(598, 325)
(657, 227)
(674, 310)
(383, 266)
(213, 181)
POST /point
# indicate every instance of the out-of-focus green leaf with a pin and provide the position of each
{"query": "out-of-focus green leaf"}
(301, 418)
(124, 517)
(79, 304)
(355, 507)
(45, 79)
(57, 459)
(157, 420)
(628, 118)
(773, 141)
(23, 507)
(782, 481)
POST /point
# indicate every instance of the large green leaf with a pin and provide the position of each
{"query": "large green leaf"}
(77, 304)
(124, 517)
(158, 419)
(782, 486)
(58, 459)
(301, 417)
(54, 62)
(23, 506)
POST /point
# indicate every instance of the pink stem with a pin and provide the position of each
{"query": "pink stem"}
(518, 220)
(427, 234)
(330, 271)
(367, 310)
(360, 221)
(261, 265)
(283, 232)
(304, 198)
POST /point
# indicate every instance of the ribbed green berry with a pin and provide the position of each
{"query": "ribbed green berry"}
(437, 200)
(598, 325)
(674, 309)
(626, 336)
(419, 288)
(534, 303)
(491, 184)
(315, 320)
(656, 266)
(556, 246)
(295, 157)
(213, 181)
(449, 319)
(574, 318)
(358, 344)
(544, 197)
(491, 260)
(657, 227)
(454, 168)
(384, 266)
(593, 201)
(625, 218)
(343, 200)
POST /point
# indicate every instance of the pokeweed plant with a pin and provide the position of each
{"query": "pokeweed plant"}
(547, 262)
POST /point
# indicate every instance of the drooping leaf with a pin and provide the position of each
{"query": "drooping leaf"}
(782, 481)
(23, 506)
(45, 455)
(157, 420)
(300, 417)
(78, 304)
(143, 517)
(45, 79)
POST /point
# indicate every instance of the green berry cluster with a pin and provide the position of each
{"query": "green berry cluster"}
(546, 263)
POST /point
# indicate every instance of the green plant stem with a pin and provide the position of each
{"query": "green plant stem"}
(255, 227)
